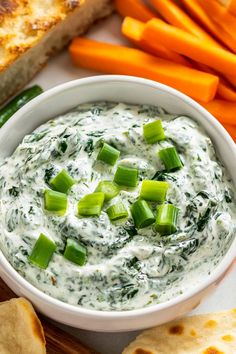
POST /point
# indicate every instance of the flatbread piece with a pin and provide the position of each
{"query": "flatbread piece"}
(213, 333)
(20, 329)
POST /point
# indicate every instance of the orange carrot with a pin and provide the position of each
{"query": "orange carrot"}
(173, 14)
(134, 8)
(133, 29)
(197, 11)
(224, 89)
(129, 61)
(231, 130)
(177, 17)
(224, 111)
(186, 44)
(232, 7)
(232, 80)
(219, 14)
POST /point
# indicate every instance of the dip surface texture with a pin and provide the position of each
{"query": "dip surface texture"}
(126, 268)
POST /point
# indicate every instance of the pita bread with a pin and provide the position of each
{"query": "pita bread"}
(20, 329)
(204, 334)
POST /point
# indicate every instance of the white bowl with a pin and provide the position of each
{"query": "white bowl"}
(132, 90)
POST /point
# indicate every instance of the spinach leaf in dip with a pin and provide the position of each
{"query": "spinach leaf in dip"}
(126, 268)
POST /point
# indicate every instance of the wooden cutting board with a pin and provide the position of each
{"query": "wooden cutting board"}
(58, 341)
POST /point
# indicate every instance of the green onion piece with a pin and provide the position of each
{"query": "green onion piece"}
(55, 201)
(142, 214)
(75, 252)
(109, 189)
(17, 102)
(126, 176)
(154, 191)
(42, 252)
(117, 211)
(91, 204)
(108, 154)
(166, 220)
(171, 159)
(153, 132)
(62, 182)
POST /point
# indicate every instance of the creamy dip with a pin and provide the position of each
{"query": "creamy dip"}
(126, 268)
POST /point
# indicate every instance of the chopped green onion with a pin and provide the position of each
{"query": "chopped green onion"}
(109, 189)
(153, 132)
(62, 182)
(117, 211)
(55, 201)
(166, 219)
(91, 204)
(154, 191)
(75, 252)
(126, 176)
(42, 251)
(108, 154)
(142, 214)
(170, 158)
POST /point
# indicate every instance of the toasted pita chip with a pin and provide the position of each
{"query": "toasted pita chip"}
(20, 329)
(204, 334)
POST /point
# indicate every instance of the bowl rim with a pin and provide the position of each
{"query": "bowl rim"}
(216, 274)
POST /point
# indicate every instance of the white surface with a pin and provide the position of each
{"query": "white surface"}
(60, 70)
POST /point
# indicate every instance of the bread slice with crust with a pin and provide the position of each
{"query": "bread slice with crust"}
(33, 30)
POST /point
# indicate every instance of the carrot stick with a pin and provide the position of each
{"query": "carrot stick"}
(129, 61)
(133, 29)
(225, 91)
(232, 7)
(134, 8)
(173, 14)
(197, 11)
(220, 15)
(224, 111)
(231, 79)
(231, 130)
(177, 17)
(186, 44)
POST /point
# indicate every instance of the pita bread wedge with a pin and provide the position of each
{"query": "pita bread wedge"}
(204, 334)
(20, 329)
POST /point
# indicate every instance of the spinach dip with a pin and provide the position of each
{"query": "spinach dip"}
(126, 267)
